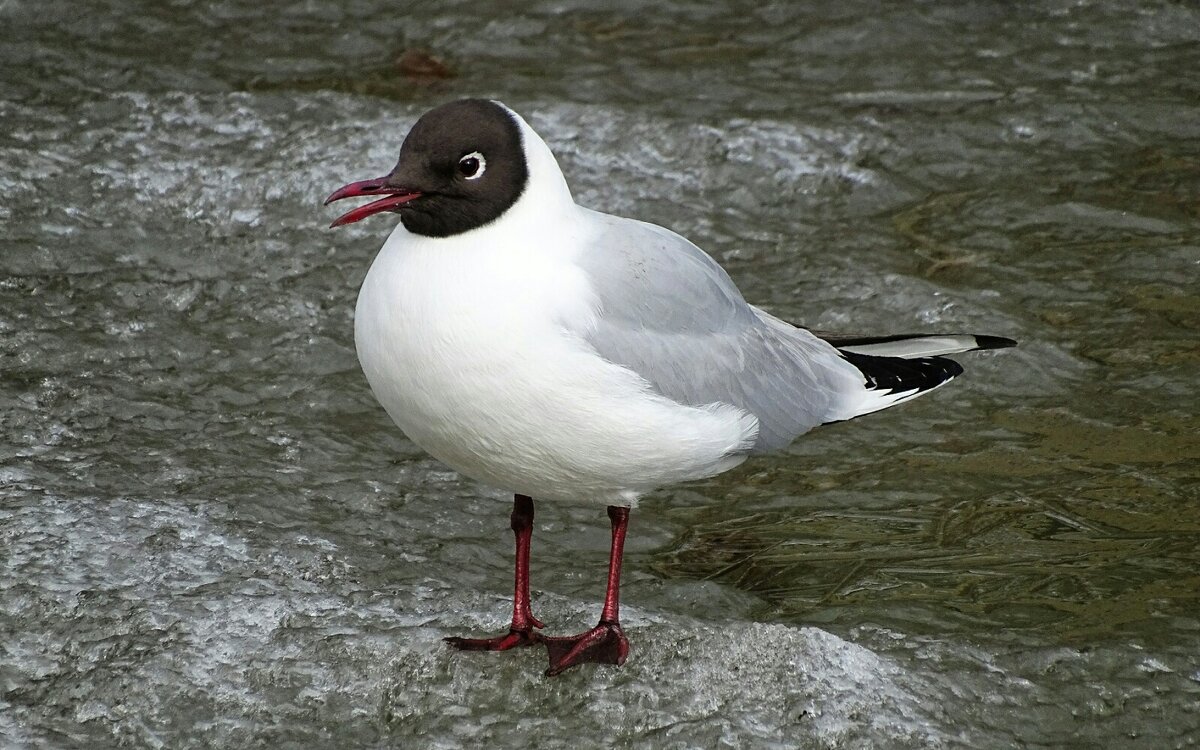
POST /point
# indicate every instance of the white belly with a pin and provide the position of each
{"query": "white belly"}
(470, 350)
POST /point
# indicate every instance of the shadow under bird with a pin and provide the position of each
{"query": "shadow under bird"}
(568, 355)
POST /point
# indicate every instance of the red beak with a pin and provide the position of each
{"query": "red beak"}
(395, 197)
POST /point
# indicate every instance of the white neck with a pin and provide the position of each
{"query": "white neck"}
(546, 191)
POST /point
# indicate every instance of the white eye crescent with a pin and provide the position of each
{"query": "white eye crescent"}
(472, 166)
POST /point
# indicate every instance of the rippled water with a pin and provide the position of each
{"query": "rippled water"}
(210, 535)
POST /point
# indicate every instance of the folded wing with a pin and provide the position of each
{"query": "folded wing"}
(670, 313)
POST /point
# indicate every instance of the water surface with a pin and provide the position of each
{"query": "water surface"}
(210, 534)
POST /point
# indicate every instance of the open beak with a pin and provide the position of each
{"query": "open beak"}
(395, 197)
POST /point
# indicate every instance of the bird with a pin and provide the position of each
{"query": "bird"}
(564, 354)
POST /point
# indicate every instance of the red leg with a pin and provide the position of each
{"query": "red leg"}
(605, 643)
(521, 632)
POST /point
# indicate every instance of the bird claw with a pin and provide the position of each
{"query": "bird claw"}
(604, 644)
(513, 639)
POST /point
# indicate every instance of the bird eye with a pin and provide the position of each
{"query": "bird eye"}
(472, 166)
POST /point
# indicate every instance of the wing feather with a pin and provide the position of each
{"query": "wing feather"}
(671, 314)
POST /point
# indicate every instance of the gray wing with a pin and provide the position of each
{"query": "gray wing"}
(672, 315)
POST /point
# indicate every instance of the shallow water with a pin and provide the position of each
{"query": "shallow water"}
(210, 534)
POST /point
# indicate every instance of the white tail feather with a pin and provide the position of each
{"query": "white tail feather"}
(924, 346)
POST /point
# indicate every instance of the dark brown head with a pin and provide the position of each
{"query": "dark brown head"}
(461, 167)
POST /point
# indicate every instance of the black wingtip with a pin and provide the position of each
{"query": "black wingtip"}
(993, 342)
(898, 374)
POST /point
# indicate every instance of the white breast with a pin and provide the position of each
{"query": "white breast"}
(467, 342)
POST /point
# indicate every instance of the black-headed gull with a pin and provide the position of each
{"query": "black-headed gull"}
(566, 354)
